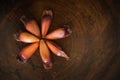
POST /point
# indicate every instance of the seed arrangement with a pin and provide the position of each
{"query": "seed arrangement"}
(40, 39)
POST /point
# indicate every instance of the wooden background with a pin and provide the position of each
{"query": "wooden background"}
(93, 47)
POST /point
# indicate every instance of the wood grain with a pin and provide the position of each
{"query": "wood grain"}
(93, 47)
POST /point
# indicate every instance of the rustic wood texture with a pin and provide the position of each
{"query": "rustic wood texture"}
(93, 47)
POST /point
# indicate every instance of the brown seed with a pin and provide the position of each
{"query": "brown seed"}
(56, 49)
(59, 33)
(26, 37)
(31, 26)
(45, 55)
(27, 52)
(46, 21)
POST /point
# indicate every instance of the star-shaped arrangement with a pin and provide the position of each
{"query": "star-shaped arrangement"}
(40, 39)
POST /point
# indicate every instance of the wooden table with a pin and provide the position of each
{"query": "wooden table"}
(93, 47)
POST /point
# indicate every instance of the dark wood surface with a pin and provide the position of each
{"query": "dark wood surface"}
(93, 47)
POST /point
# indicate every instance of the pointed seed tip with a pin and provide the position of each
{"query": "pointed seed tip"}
(62, 54)
(47, 65)
(47, 13)
(67, 58)
(20, 59)
(24, 19)
(16, 36)
(68, 31)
